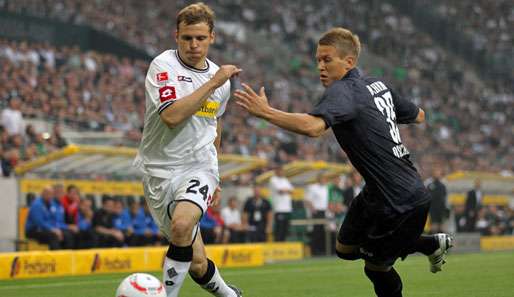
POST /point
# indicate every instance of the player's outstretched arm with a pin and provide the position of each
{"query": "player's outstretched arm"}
(184, 108)
(257, 104)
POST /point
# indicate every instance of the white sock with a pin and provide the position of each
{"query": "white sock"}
(174, 273)
(215, 285)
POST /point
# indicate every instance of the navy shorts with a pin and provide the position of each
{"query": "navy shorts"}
(382, 238)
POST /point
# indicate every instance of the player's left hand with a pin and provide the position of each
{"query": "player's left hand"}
(216, 197)
(256, 104)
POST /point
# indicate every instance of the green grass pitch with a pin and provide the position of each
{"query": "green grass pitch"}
(465, 275)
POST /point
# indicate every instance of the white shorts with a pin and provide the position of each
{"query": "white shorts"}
(194, 185)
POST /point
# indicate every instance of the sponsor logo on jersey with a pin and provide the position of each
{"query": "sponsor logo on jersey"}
(167, 93)
(184, 78)
(208, 110)
(162, 76)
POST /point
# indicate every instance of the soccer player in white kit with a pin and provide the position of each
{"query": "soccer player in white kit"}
(185, 95)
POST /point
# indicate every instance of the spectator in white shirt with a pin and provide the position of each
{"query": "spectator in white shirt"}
(12, 119)
(316, 201)
(231, 215)
(281, 190)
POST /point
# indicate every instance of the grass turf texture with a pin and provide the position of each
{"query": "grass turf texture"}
(465, 275)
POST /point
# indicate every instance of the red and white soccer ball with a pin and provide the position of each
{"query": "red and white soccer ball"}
(141, 285)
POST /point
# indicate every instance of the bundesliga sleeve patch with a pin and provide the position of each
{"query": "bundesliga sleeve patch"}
(167, 93)
(163, 76)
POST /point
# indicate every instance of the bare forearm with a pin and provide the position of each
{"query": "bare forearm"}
(420, 118)
(184, 108)
(300, 123)
(217, 141)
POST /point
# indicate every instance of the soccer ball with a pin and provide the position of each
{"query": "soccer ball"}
(141, 285)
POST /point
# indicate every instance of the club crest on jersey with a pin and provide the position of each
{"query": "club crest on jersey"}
(162, 76)
(167, 93)
(184, 78)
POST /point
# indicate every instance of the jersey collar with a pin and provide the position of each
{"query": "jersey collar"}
(191, 67)
(354, 72)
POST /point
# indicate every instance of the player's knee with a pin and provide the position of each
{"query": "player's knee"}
(348, 256)
(347, 252)
(181, 228)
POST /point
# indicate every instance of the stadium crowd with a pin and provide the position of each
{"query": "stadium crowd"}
(470, 118)
(486, 23)
(64, 218)
(446, 87)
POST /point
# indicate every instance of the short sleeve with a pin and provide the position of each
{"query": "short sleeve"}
(160, 87)
(225, 96)
(336, 105)
(406, 111)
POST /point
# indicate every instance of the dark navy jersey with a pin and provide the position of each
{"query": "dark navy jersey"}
(364, 114)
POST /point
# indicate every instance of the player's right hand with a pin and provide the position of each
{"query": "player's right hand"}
(224, 73)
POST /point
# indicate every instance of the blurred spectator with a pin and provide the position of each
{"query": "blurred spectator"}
(353, 187)
(146, 231)
(473, 206)
(493, 220)
(120, 221)
(439, 211)
(316, 202)
(57, 139)
(87, 237)
(70, 201)
(103, 223)
(45, 222)
(12, 118)
(10, 158)
(459, 212)
(210, 228)
(232, 218)
(257, 216)
(221, 232)
(281, 190)
(336, 209)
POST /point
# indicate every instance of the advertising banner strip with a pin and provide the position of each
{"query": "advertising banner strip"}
(41, 264)
(496, 243)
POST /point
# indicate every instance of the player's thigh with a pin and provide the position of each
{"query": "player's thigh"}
(159, 198)
(185, 217)
(355, 225)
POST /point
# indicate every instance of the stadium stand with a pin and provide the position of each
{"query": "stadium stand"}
(460, 95)
(470, 115)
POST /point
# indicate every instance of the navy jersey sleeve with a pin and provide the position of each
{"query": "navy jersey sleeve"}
(406, 111)
(336, 105)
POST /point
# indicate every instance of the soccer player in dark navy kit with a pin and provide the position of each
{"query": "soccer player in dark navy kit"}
(386, 220)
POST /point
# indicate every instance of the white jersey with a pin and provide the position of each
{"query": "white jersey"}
(192, 142)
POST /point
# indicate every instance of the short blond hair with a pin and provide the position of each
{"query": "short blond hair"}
(343, 40)
(195, 14)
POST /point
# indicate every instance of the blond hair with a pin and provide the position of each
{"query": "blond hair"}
(195, 14)
(343, 40)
